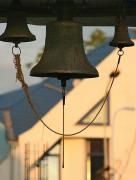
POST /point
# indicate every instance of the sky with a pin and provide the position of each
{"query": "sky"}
(29, 52)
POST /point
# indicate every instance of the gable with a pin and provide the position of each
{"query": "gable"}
(103, 117)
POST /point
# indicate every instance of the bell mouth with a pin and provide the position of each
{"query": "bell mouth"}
(17, 40)
(121, 44)
(66, 75)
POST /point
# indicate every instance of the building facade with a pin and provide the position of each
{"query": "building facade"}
(105, 150)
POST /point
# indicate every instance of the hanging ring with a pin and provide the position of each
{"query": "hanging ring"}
(120, 52)
(16, 50)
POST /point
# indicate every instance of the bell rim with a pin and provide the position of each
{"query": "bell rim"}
(122, 44)
(66, 75)
(17, 39)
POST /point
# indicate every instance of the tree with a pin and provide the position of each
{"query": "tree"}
(134, 31)
(96, 38)
(38, 57)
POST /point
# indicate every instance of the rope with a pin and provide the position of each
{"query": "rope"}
(20, 77)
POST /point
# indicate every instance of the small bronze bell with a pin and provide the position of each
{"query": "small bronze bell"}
(17, 30)
(64, 56)
(121, 37)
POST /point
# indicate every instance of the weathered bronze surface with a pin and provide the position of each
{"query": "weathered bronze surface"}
(64, 55)
(121, 37)
(17, 30)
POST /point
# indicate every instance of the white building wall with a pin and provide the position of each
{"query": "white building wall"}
(5, 168)
(123, 119)
(10, 167)
(75, 166)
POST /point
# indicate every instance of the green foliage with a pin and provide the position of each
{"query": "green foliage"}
(134, 31)
(38, 57)
(96, 38)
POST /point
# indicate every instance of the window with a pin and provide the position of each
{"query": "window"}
(103, 117)
(95, 158)
(50, 164)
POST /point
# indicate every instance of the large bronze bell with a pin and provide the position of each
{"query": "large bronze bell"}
(64, 56)
(121, 37)
(17, 30)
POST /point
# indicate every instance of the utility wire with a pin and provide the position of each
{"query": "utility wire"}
(128, 158)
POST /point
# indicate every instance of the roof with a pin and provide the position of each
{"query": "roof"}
(89, 12)
(21, 114)
(45, 95)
